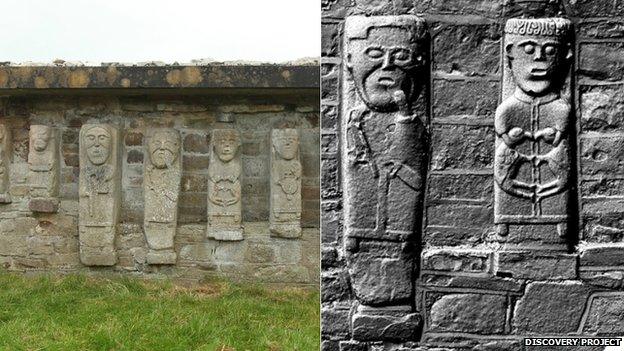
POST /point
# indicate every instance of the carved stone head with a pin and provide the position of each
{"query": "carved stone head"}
(97, 141)
(226, 144)
(286, 143)
(538, 51)
(40, 137)
(164, 148)
(384, 55)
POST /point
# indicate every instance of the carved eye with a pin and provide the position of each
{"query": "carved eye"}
(549, 50)
(529, 49)
(402, 54)
(91, 137)
(374, 53)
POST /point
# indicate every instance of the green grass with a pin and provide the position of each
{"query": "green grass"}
(82, 313)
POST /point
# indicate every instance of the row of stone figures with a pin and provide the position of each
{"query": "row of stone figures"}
(385, 154)
(100, 186)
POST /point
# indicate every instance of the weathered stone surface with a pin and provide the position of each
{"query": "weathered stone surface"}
(456, 261)
(468, 313)
(536, 265)
(44, 168)
(162, 174)
(604, 314)
(99, 191)
(550, 308)
(6, 156)
(384, 161)
(474, 142)
(470, 49)
(129, 77)
(224, 186)
(472, 282)
(533, 154)
(385, 323)
(381, 273)
(602, 61)
(602, 108)
(285, 215)
(602, 255)
(456, 98)
(601, 156)
(335, 321)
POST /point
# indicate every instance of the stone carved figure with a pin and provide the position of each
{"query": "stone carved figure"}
(285, 215)
(533, 154)
(5, 164)
(44, 168)
(161, 181)
(224, 186)
(99, 192)
(384, 161)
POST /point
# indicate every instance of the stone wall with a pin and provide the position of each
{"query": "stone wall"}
(475, 289)
(199, 103)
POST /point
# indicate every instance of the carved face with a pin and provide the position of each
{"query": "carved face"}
(536, 63)
(385, 62)
(226, 145)
(97, 142)
(286, 145)
(40, 138)
(163, 149)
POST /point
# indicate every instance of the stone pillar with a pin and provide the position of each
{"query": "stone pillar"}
(224, 186)
(99, 192)
(6, 156)
(533, 156)
(161, 182)
(384, 154)
(285, 202)
(44, 168)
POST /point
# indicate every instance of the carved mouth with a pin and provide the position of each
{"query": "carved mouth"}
(385, 81)
(539, 72)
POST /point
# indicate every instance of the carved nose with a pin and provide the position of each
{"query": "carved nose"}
(387, 61)
(539, 54)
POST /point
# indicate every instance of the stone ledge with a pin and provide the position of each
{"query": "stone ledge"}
(123, 78)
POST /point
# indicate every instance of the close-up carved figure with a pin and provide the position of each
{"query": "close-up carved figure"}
(44, 164)
(285, 184)
(384, 150)
(161, 189)
(224, 187)
(99, 194)
(533, 155)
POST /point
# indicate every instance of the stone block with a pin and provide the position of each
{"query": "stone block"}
(335, 287)
(596, 8)
(604, 314)
(602, 61)
(485, 8)
(477, 187)
(459, 215)
(395, 323)
(602, 255)
(602, 28)
(602, 156)
(602, 108)
(468, 313)
(49, 205)
(550, 308)
(473, 97)
(456, 261)
(462, 147)
(473, 282)
(466, 48)
(536, 265)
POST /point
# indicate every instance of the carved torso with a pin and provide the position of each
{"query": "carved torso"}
(162, 194)
(532, 157)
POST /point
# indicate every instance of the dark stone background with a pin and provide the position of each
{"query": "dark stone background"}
(473, 295)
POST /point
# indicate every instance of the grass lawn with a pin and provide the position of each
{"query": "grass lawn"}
(81, 313)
